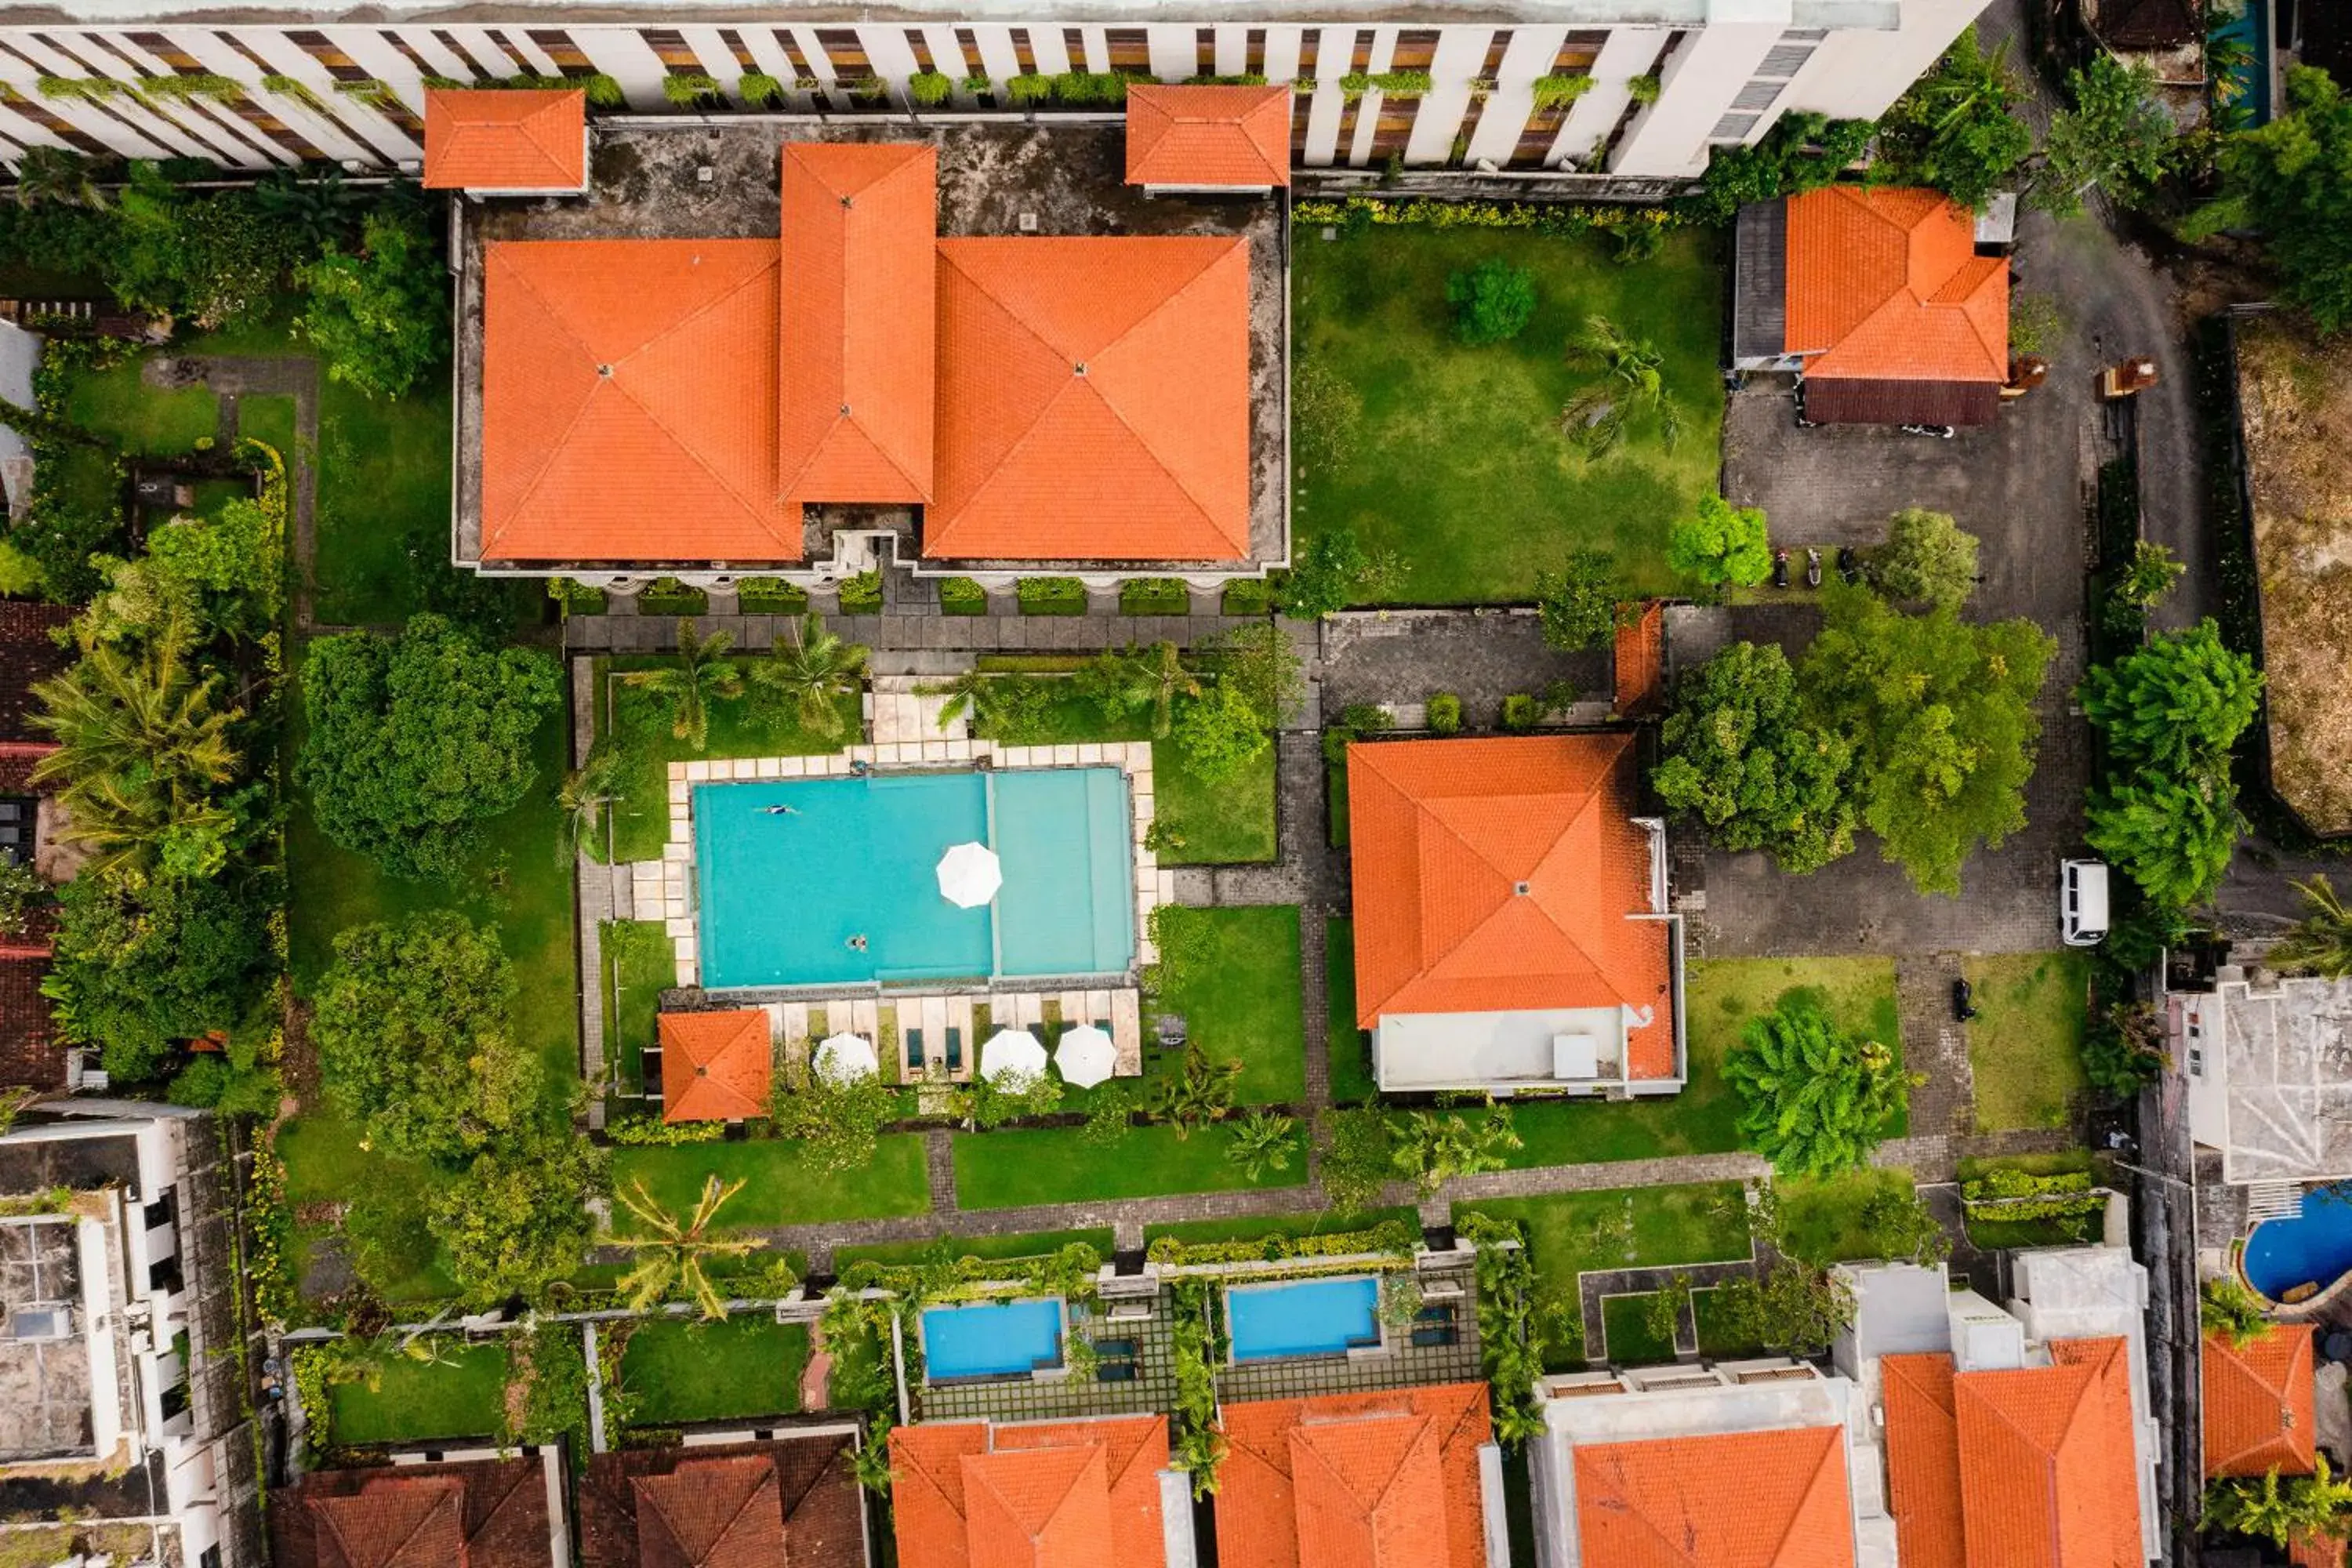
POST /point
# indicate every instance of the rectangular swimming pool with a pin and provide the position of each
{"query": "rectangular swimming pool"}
(786, 894)
(1006, 1338)
(1304, 1317)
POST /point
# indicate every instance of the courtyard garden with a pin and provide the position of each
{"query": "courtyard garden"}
(2026, 1044)
(677, 1369)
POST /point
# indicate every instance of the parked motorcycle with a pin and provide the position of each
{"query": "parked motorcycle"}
(1812, 568)
(1850, 566)
(1964, 1006)
(1940, 432)
(1779, 568)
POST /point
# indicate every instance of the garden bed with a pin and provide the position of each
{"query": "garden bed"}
(906, 1254)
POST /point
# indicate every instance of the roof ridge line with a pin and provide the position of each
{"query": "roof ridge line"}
(1813, 1486)
(546, 467)
(997, 469)
(900, 169)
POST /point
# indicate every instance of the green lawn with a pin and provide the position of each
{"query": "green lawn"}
(144, 421)
(324, 1163)
(640, 964)
(1631, 1341)
(1245, 1001)
(1013, 1167)
(783, 1187)
(1335, 803)
(1257, 1227)
(1821, 1217)
(992, 1248)
(749, 1364)
(1720, 995)
(463, 1394)
(2026, 1044)
(384, 507)
(1460, 467)
(270, 420)
(1350, 1047)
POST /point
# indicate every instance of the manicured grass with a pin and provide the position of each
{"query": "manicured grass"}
(1335, 802)
(1721, 995)
(1010, 1167)
(1460, 466)
(269, 420)
(1349, 1046)
(1243, 1002)
(462, 1394)
(748, 1364)
(640, 964)
(144, 421)
(783, 1186)
(2025, 1045)
(639, 725)
(1821, 1217)
(1257, 1227)
(992, 1248)
(384, 509)
(1631, 1341)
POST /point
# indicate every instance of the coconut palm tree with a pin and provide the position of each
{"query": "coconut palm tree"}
(814, 670)
(1199, 1093)
(127, 826)
(1123, 682)
(701, 675)
(1633, 382)
(2321, 943)
(675, 1252)
(583, 795)
(56, 176)
(133, 716)
(1262, 1143)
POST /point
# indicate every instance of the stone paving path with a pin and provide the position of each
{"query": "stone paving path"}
(1935, 1044)
(909, 630)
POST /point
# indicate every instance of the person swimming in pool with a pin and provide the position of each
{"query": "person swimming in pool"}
(780, 811)
(858, 943)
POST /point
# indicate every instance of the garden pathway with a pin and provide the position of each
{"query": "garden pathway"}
(905, 630)
(1935, 1044)
(232, 377)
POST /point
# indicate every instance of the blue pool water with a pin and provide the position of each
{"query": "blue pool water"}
(998, 1340)
(2315, 1249)
(780, 896)
(1307, 1317)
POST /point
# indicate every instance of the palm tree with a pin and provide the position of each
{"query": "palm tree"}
(125, 826)
(583, 795)
(1200, 1091)
(871, 1463)
(1262, 1143)
(315, 204)
(814, 670)
(1126, 682)
(120, 715)
(701, 675)
(2321, 943)
(676, 1251)
(975, 691)
(1633, 380)
(2279, 1510)
(56, 176)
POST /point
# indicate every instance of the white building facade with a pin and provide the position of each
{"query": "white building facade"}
(1669, 80)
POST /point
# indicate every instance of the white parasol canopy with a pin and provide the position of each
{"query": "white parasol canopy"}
(844, 1058)
(970, 875)
(1086, 1056)
(1012, 1053)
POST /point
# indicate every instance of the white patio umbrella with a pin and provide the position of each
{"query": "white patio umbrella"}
(970, 875)
(1086, 1056)
(1012, 1053)
(844, 1058)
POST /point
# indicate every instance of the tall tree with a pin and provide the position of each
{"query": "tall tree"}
(582, 796)
(516, 1219)
(701, 675)
(2321, 943)
(814, 670)
(1927, 558)
(2286, 180)
(1124, 682)
(1633, 382)
(2177, 704)
(1431, 1149)
(2281, 1509)
(1741, 753)
(676, 1251)
(381, 316)
(2172, 833)
(1958, 129)
(2116, 137)
(1578, 604)
(1722, 544)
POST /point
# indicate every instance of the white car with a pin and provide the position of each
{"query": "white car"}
(2081, 902)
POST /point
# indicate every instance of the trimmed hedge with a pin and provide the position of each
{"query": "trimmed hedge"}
(1393, 1236)
(1053, 596)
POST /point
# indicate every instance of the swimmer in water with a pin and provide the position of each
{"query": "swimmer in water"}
(858, 943)
(779, 810)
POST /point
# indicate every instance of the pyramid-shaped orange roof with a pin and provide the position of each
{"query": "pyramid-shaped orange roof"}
(1094, 399)
(2258, 1403)
(1355, 1481)
(1067, 1494)
(629, 401)
(1885, 284)
(402, 1523)
(710, 1513)
(505, 139)
(715, 1066)
(1499, 875)
(857, 335)
(1233, 137)
(1741, 1500)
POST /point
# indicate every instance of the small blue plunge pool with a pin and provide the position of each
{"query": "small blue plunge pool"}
(2312, 1249)
(1005, 1339)
(1305, 1317)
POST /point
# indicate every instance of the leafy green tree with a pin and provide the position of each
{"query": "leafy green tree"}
(1927, 556)
(1799, 154)
(517, 1220)
(1262, 1143)
(415, 1044)
(676, 1251)
(2281, 1509)
(2171, 833)
(58, 176)
(1139, 681)
(2117, 138)
(380, 318)
(2150, 577)
(416, 739)
(1198, 1092)
(1220, 731)
(1722, 544)
(701, 675)
(1578, 604)
(1815, 1097)
(1260, 662)
(2321, 943)
(838, 1121)
(814, 670)
(1493, 301)
(1633, 382)
(1333, 571)
(2177, 704)
(138, 968)
(212, 256)
(2225, 1306)
(1430, 1150)
(1958, 129)
(2285, 180)
(1741, 753)
(2124, 1049)
(1797, 1308)
(1940, 714)
(1902, 1227)
(229, 563)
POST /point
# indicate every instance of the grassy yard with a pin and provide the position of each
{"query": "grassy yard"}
(783, 1186)
(900, 1253)
(1245, 1001)
(1460, 467)
(461, 1395)
(2025, 1045)
(679, 1371)
(269, 420)
(640, 964)
(1858, 994)
(144, 421)
(1821, 1217)
(1631, 1341)
(1010, 1168)
(1349, 1046)
(383, 506)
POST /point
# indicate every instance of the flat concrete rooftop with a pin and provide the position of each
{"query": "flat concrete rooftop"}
(45, 1381)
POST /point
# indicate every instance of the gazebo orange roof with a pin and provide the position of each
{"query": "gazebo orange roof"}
(2258, 1403)
(505, 139)
(1735, 1500)
(1208, 136)
(715, 1066)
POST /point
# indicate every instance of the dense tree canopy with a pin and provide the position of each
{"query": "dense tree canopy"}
(138, 968)
(1722, 544)
(2172, 833)
(1814, 1097)
(1958, 129)
(1927, 558)
(2114, 137)
(381, 316)
(1493, 301)
(2287, 180)
(1740, 751)
(2179, 702)
(519, 1217)
(1578, 604)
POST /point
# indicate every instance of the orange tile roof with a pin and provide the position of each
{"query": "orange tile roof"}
(1885, 284)
(629, 401)
(1495, 875)
(715, 1066)
(711, 1514)
(393, 1524)
(1639, 665)
(1094, 400)
(1208, 136)
(1355, 1481)
(1739, 1500)
(1922, 1461)
(2258, 1403)
(860, 220)
(505, 139)
(1064, 1494)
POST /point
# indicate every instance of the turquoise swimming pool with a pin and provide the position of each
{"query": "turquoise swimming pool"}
(1001, 1339)
(783, 894)
(1304, 1317)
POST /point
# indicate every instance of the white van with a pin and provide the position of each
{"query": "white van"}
(2082, 901)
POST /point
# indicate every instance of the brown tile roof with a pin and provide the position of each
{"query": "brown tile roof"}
(1741, 1500)
(629, 401)
(1493, 875)
(29, 653)
(1885, 284)
(860, 219)
(505, 139)
(1355, 1481)
(739, 1505)
(1640, 661)
(484, 1513)
(1065, 1494)
(2258, 1403)
(715, 1066)
(1094, 400)
(1208, 136)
